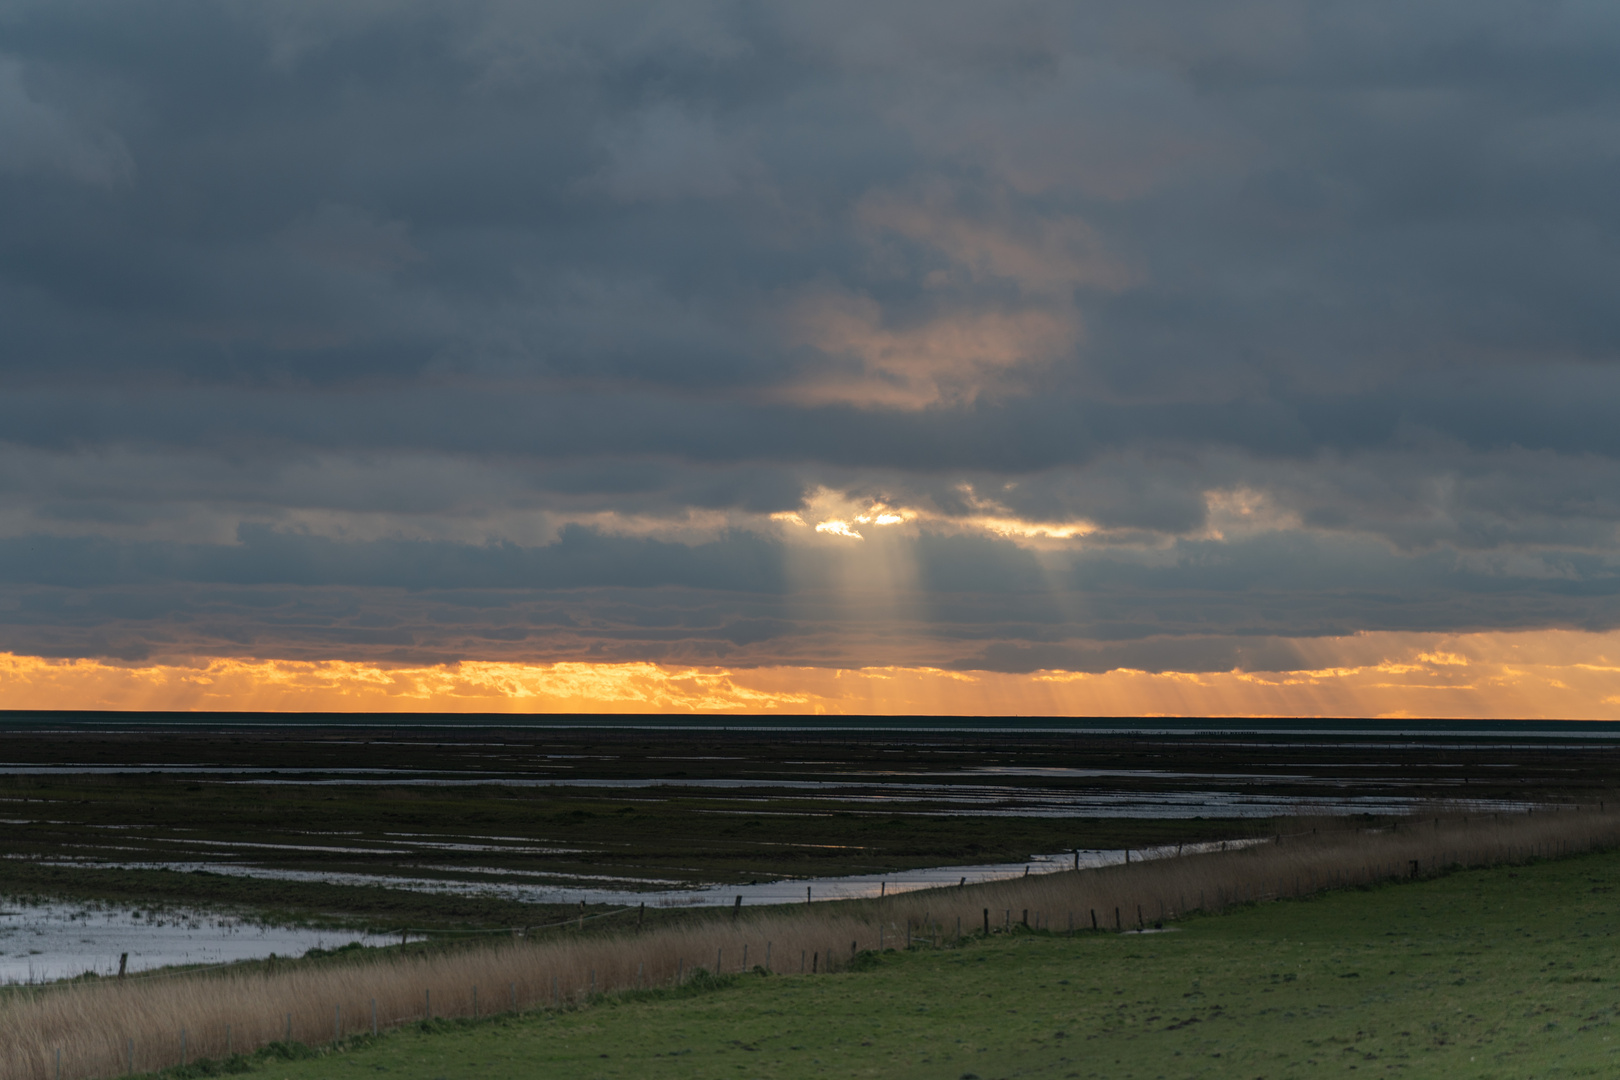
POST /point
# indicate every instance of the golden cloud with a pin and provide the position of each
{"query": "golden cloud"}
(1532, 675)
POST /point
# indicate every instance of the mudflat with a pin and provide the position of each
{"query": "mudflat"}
(433, 824)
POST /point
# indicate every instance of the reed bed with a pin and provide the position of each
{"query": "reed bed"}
(106, 1028)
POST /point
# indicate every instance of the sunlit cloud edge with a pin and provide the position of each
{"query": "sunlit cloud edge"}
(1547, 674)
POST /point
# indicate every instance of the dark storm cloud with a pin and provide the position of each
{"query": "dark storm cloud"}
(1306, 310)
(979, 604)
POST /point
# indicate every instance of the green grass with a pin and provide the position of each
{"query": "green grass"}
(1497, 973)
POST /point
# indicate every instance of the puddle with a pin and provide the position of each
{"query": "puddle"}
(44, 941)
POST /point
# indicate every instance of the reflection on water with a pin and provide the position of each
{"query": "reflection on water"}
(539, 888)
(867, 886)
(51, 940)
(996, 800)
(44, 941)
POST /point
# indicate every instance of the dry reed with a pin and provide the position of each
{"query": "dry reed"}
(108, 1027)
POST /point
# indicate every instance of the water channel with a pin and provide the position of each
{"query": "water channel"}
(45, 940)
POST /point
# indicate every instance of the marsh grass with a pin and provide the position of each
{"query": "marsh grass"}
(221, 1013)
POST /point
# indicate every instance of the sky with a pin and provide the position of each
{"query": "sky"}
(1111, 358)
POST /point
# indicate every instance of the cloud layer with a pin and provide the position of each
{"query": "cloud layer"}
(1031, 337)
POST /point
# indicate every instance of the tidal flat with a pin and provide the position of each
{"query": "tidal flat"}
(474, 823)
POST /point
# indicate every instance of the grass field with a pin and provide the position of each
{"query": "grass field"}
(1505, 972)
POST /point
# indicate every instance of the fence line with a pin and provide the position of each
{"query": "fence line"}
(109, 1027)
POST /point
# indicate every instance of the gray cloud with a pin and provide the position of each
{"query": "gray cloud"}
(1303, 312)
(37, 138)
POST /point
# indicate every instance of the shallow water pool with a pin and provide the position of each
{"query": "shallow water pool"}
(41, 941)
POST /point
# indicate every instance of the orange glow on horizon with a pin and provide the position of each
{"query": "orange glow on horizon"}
(1530, 675)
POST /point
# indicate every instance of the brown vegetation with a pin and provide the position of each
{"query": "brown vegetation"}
(97, 1025)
